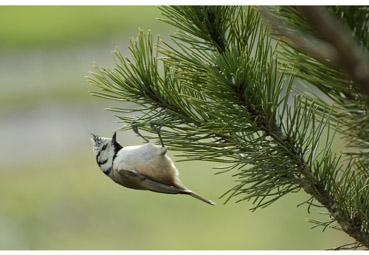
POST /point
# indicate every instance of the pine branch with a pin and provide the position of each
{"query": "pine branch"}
(350, 57)
(352, 110)
(321, 67)
(220, 92)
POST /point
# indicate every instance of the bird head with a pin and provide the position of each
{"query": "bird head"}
(105, 150)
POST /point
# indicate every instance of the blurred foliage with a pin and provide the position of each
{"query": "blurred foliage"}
(69, 204)
(34, 26)
(53, 47)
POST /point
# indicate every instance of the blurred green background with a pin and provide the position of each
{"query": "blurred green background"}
(53, 195)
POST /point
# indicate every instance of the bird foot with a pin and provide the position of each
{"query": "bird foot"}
(135, 129)
(157, 129)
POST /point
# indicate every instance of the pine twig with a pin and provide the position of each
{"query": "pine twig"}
(335, 46)
(351, 58)
(223, 98)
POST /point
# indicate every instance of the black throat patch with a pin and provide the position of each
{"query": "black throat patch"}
(107, 172)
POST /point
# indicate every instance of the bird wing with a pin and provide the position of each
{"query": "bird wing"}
(158, 168)
(146, 182)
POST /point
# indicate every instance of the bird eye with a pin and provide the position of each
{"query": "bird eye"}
(104, 146)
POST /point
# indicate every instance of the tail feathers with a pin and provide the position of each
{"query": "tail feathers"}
(193, 194)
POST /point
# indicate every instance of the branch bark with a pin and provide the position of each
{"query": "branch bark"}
(337, 48)
(350, 56)
(335, 45)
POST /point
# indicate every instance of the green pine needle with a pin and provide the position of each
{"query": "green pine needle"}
(226, 92)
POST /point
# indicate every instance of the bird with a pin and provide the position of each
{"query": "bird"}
(141, 167)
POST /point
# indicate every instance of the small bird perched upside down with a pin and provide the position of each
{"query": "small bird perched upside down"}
(144, 167)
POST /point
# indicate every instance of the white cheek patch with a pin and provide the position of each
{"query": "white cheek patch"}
(105, 156)
(102, 162)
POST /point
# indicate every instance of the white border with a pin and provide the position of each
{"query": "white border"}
(183, 2)
(176, 2)
(168, 252)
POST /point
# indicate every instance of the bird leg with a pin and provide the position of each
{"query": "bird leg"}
(157, 130)
(135, 129)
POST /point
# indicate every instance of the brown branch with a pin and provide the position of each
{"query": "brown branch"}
(327, 51)
(335, 46)
(352, 58)
(315, 47)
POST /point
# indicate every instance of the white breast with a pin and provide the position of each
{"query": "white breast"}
(137, 152)
(148, 159)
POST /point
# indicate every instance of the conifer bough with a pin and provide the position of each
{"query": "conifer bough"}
(227, 92)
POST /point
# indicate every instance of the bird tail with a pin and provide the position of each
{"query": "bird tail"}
(193, 194)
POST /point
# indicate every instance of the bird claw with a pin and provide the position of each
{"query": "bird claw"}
(135, 129)
(157, 129)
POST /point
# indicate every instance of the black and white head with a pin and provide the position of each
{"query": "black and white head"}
(106, 150)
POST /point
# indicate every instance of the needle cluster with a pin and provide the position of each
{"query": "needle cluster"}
(226, 94)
